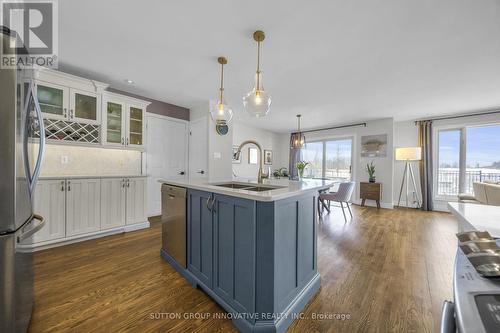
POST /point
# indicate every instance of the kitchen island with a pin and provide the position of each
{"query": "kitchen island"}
(252, 248)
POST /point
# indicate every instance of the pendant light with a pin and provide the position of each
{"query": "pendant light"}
(221, 113)
(300, 139)
(257, 101)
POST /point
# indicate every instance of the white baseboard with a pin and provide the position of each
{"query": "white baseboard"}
(80, 238)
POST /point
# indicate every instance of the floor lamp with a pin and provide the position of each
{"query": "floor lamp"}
(409, 154)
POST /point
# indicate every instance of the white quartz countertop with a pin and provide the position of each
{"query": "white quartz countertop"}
(90, 176)
(477, 217)
(289, 188)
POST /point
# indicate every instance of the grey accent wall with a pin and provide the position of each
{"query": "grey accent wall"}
(158, 107)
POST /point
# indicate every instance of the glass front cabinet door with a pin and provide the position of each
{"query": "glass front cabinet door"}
(84, 107)
(53, 100)
(114, 126)
(135, 126)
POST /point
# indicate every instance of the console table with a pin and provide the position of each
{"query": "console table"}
(371, 191)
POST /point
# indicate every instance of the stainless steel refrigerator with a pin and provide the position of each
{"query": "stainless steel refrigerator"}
(21, 154)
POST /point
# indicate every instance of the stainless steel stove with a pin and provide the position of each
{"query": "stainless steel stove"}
(476, 306)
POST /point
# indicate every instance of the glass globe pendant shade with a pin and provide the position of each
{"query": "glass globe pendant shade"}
(257, 102)
(221, 113)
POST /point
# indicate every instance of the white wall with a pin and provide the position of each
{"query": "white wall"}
(268, 141)
(384, 165)
(219, 146)
(405, 135)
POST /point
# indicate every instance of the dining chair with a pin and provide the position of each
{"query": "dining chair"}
(342, 195)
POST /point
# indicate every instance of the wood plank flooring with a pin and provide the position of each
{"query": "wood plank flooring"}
(388, 270)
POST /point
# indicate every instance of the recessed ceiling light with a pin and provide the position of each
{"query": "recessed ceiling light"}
(129, 81)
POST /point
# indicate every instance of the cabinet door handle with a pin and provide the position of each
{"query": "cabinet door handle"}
(72, 113)
(62, 185)
(208, 202)
(69, 185)
(212, 207)
(128, 182)
(123, 182)
(202, 172)
(127, 141)
(123, 141)
(65, 112)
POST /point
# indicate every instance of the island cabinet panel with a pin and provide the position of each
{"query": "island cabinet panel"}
(255, 258)
(234, 251)
(295, 247)
(200, 232)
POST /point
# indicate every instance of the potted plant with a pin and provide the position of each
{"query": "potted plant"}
(301, 166)
(370, 168)
(282, 172)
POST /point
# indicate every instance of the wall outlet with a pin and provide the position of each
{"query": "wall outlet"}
(64, 159)
(217, 155)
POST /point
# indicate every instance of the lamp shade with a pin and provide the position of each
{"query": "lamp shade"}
(409, 154)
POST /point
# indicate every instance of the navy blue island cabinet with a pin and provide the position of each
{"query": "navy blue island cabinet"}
(257, 259)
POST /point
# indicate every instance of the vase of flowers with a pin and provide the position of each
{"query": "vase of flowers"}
(301, 166)
(370, 168)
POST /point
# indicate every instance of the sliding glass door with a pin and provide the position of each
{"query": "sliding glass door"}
(331, 159)
(466, 155)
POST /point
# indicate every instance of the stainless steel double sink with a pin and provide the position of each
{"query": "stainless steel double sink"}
(249, 187)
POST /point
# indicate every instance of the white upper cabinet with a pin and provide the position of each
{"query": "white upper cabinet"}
(81, 110)
(67, 97)
(123, 121)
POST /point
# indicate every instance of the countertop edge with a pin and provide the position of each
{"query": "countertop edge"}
(257, 197)
(466, 224)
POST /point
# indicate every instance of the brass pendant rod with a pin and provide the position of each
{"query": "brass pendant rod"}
(221, 82)
(258, 66)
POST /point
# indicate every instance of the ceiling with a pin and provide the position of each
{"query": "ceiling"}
(334, 61)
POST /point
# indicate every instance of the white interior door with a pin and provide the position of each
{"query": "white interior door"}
(166, 155)
(198, 148)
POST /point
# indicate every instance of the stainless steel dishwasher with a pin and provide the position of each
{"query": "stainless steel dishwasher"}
(173, 217)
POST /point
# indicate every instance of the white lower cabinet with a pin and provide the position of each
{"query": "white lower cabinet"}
(113, 194)
(88, 207)
(83, 206)
(136, 200)
(50, 202)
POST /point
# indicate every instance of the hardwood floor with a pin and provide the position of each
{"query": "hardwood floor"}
(388, 270)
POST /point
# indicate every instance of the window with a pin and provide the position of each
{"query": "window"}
(467, 155)
(329, 159)
(448, 162)
(313, 153)
(338, 159)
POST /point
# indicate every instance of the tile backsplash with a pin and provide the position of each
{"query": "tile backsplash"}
(65, 160)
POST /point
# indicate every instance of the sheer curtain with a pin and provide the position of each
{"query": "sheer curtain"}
(425, 141)
(295, 156)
